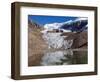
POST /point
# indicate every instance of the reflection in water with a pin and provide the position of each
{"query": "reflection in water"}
(64, 57)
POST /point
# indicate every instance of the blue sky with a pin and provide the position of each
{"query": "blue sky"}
(43, 19)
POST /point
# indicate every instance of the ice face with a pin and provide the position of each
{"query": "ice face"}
(56, 41)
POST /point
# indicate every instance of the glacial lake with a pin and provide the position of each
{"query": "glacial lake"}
(61, 57)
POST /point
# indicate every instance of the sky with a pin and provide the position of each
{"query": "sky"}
(43, 19)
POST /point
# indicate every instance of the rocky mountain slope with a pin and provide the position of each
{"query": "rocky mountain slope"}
(80, 40)
(36, 43)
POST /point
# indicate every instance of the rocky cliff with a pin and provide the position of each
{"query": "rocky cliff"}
(80, 39)
(36, 43)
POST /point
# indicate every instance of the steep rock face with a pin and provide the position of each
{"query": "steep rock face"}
(32, 24)
(36, 43)
(79, 39)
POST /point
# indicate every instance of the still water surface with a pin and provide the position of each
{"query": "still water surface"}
(59, 57)
(64, 57)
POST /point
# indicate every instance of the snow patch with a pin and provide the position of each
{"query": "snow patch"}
(81, 19)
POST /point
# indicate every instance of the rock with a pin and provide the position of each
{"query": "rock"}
(70, 35)
(79, 39)
(36, 44)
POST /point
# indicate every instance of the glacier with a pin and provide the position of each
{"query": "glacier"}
(56, 41)
(79, 24)
(52, 26)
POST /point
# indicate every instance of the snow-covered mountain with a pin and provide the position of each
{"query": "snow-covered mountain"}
(52, 32)
(80, 24)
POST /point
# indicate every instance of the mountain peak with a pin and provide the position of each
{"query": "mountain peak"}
(80, 24)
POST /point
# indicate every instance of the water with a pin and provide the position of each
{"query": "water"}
(64, 57)
(58, 52)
